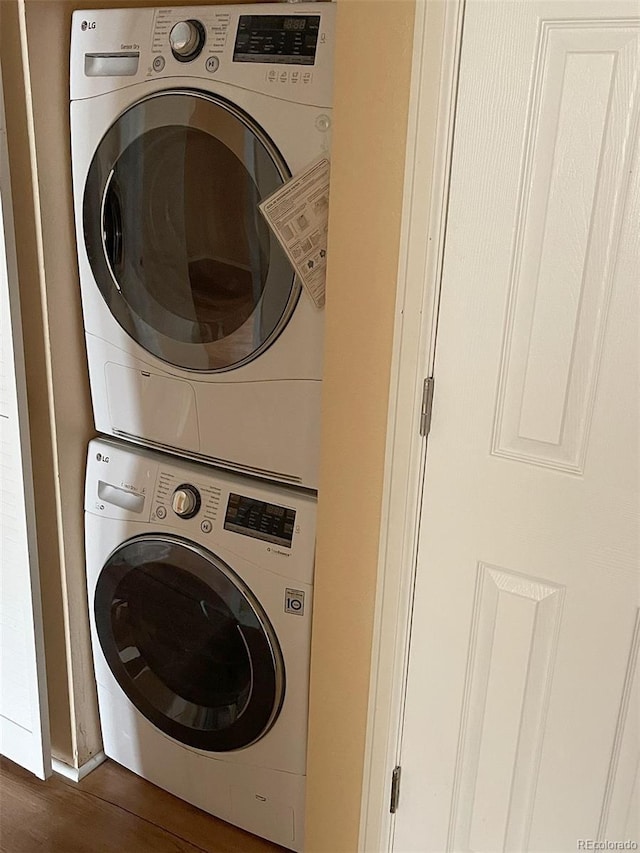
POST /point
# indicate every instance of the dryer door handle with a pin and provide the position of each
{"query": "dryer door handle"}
(112, 227)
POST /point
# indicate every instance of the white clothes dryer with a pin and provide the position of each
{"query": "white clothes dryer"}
(200, 339)
(199, 587)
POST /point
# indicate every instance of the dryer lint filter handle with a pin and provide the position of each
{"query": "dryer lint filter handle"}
(124, 64)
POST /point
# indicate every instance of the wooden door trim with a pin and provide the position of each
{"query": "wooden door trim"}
(436, 53)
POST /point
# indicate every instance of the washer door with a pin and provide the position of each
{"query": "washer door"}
(189, 643)
(176, 242)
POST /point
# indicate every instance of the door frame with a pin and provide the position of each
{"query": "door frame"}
(31, 748)
(436, 53)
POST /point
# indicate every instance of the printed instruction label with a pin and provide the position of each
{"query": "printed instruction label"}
(298, 214)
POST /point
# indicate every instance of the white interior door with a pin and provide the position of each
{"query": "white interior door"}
(24, 719)
(522, 719)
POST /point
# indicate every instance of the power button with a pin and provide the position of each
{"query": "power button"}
(206, 526)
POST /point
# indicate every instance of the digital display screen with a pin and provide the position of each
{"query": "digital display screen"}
(260, 520)
(294, 23)
(289, 40)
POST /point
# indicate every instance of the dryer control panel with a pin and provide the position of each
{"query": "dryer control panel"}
(279, 49)
(284, 39)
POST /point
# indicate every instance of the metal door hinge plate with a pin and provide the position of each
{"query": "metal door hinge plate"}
(395, 789)
(427, 406)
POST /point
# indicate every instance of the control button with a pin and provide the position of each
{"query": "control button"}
(185, 501)
(307, 77)
(295, 76)
(161, 512)
(158, 63)
(323, 123)
(284, 77)
(212, 64)
(206, 526)
(187, 40)
(272, 76)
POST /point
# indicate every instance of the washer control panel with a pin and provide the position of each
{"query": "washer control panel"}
(260, 520)
(269, 524)
(173, 497)
(185, 501)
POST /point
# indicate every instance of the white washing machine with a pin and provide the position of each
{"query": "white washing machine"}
(200, 589)
(200, 339)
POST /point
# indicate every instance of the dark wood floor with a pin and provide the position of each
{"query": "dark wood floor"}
(110, 811)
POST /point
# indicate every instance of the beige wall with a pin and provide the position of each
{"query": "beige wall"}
(373, 63)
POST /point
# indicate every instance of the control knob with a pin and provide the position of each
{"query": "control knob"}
(185, 501)
(187, 40)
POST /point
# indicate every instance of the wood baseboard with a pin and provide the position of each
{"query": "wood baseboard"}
(76, 774)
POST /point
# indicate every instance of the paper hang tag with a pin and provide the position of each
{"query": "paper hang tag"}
(298, 214)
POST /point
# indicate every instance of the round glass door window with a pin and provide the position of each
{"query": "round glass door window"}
(174, 236)
(188, 643)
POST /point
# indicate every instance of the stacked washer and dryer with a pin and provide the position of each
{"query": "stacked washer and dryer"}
(205, 366)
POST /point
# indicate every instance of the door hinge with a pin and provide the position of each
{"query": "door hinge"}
(427, 406)
(395, 789)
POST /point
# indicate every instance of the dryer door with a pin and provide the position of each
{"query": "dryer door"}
(189, 643)
(176, 242)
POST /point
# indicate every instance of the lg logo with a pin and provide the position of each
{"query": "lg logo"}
(88, 25)
(102, 458)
